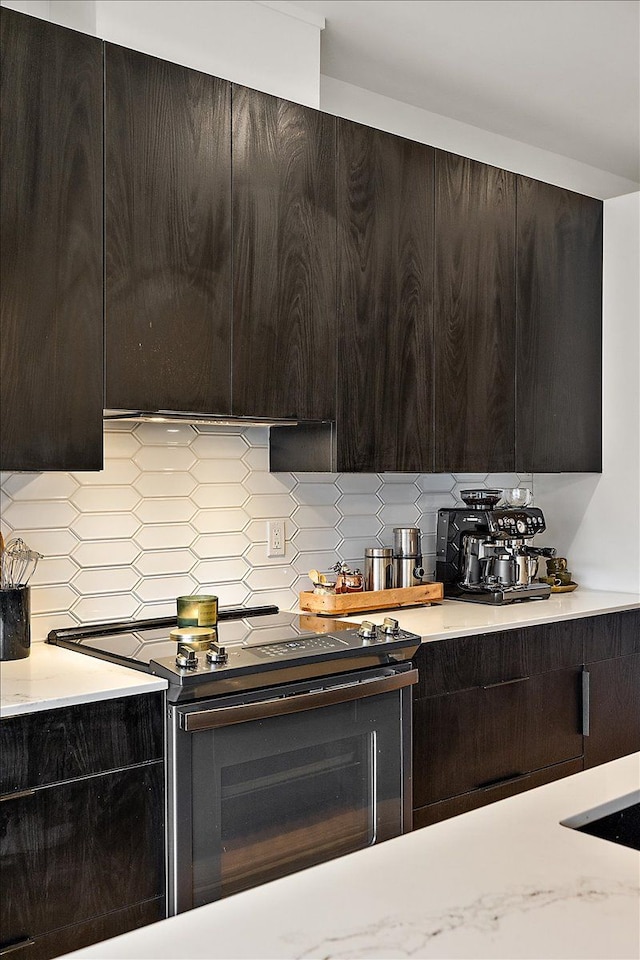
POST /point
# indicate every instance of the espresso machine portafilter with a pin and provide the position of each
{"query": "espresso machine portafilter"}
(484, 553)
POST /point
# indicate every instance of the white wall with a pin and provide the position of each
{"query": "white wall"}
(248, 42)
(596, 519)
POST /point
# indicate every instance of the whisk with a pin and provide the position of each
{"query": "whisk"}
(17, 564)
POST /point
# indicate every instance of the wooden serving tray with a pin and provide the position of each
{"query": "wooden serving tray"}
(332, 604)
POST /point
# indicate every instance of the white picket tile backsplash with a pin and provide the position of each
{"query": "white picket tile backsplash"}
(180, 509)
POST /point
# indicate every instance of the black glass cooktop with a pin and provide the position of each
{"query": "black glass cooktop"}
(137, 644)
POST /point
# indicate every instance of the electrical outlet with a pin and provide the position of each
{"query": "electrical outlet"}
(275, 538)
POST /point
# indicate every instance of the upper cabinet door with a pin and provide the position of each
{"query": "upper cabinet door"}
(51, 330)
(168, 236)
(385, 286)
(474, 316)
(559, 423)
(283, 258)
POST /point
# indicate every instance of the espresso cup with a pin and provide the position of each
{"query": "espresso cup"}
(556, 564)
(561, 578)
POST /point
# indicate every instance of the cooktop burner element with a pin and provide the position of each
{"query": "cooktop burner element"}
(254, 648)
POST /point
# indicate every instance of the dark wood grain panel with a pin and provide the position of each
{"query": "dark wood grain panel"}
(435, 812)
(385, 289)
(612, 635)
(80, 850)
(559, 315)
(168, 236)
(55, 745)
(472, 739)
(614, 715)
(51, 380)
(460, 663)
(474, 316)
(284, 311)
(80, 935)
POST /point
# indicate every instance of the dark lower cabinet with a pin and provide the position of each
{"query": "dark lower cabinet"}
(614, 714)
(474, 316)
(81, 841)
(612, 668)
(284, 259)
(559, 330)
(486, 736)
(51, 329)
(78, 850)
(500, 713)
(168, 236)
(493, 715)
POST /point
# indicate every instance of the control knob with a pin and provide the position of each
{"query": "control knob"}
(367, 630)
(390, 626)
(216, 654)
(186, 657)
(521, 526)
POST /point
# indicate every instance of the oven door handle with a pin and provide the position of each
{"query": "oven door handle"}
(243, 713)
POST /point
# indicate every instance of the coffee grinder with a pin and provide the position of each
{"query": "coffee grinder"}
(484, 552)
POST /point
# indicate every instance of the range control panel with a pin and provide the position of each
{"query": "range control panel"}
(513, 523)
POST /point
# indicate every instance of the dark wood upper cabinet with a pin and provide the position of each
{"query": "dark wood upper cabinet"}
(559, 316)
(51, 380)
(385, 289)
(475, 216)
(284, 251)
(168, 236)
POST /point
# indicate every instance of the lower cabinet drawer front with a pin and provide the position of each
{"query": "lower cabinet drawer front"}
(435, 812)
(79, 850)
(479, 737)
(47, 747)
(81, 935)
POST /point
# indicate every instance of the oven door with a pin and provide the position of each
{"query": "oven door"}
(260, 788)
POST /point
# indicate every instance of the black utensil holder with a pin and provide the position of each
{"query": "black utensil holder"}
(15, 623)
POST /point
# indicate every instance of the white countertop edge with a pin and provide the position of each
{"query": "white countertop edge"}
(51, 677)
(456, 618)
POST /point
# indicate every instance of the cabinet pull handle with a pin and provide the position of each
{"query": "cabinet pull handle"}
(504, 683)
(20, 795)
(585, 703)
(511, 778)
(5, 951)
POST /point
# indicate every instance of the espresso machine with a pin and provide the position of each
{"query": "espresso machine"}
(484, 552)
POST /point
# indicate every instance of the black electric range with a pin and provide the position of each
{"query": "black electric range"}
(255, 647)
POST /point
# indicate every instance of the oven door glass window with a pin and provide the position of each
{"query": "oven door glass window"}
(276, 795)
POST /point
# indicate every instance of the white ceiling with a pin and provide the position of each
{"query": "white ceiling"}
(562, 75)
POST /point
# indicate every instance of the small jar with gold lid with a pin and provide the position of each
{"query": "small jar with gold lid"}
(199, 638)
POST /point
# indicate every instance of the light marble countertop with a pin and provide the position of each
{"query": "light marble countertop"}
(505, 881)
(51, 677)
(455, 618)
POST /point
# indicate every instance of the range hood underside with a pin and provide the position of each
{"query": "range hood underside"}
(179, 416)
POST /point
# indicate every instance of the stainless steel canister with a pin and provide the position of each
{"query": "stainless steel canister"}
(378, 568)
(406, 542)
(407, 557)
(407, 571)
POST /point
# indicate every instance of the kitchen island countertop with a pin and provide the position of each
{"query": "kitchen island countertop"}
(507, 880)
